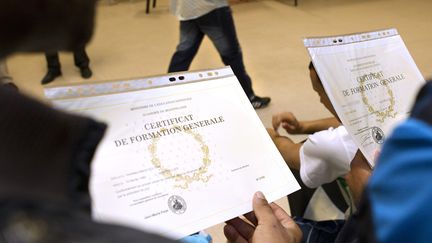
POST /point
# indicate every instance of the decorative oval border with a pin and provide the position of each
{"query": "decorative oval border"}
(389, 111)
(185, 179)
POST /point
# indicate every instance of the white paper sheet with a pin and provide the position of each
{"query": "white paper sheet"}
(180, 156)
(371, 80)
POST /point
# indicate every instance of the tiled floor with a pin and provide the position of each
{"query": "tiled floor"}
(128, 43)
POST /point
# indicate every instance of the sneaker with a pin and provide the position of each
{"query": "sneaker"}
(86, 72)
(50, 76)
(259, 102)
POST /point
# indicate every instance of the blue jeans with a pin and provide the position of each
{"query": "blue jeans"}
(218, 25)
(319, 231)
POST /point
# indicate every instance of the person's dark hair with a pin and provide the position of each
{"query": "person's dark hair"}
(311, 66)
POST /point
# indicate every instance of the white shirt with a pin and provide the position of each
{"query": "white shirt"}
(325, 156)
(192, 9)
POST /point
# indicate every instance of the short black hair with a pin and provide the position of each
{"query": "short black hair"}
(311, 66)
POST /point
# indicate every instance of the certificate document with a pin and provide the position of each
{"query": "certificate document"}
(182, 152)
(371, 80)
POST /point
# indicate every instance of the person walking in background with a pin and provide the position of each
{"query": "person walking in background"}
(81, 60)
(214, 19)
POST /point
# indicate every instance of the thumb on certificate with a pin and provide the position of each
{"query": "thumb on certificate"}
(262, 209)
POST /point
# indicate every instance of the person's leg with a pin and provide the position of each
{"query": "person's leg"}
(82, 61)
(299, 200)
(190, 41)
(81, 58)
(5, 78)
(4, 73)
(53, 61)
(219, 26)
(319, 231)
(54, 67)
